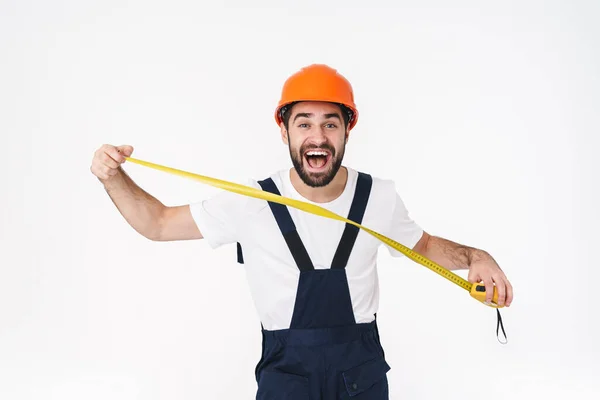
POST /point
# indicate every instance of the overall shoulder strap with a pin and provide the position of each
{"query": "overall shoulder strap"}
(287, 228)
(357, 211)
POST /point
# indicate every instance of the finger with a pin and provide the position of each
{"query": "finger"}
(509, 293)
(105, 172)
(473, 277)
(99, 173)
(113, 153)
(489, 289)
(126, 150)
(501, 288)
(108, 161)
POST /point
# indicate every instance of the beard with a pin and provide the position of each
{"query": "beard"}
(319, 179)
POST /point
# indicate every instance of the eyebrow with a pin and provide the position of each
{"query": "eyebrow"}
(308, 115)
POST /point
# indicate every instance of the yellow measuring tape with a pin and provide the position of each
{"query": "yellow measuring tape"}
(477, 291)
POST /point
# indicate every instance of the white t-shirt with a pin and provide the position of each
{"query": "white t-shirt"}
(272, 274)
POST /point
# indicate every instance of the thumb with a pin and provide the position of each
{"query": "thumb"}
(473, 277)
(126, 150)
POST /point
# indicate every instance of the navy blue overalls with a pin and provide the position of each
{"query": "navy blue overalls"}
(325, 354)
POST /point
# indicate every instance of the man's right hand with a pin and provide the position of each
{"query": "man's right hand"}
(146, 214)
(108, 159)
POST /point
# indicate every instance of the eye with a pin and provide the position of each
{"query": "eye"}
(331, 126)
(303, 125)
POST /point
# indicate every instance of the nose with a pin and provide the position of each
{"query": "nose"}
(318, 137)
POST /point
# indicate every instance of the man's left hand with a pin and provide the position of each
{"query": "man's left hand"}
(486, 270)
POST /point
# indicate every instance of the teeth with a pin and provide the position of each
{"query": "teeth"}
(316, 153)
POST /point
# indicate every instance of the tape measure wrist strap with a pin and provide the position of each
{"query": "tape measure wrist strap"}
(500, 325)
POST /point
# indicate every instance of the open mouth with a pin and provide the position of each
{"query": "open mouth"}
(317, 160)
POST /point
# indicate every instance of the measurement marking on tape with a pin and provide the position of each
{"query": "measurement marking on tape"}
(317, 210)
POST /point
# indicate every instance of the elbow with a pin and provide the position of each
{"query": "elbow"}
(151, 233)
(156, 227)
(153, 237)
(423, 244)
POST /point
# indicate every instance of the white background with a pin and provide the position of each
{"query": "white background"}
(484, 113)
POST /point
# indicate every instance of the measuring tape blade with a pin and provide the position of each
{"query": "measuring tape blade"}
(477, 291)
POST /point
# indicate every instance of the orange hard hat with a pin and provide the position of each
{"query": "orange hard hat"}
(318, 82)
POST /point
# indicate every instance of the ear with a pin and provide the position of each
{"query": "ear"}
(347, 136)
(284, 135)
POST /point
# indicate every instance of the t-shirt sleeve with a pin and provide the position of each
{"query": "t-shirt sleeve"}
(219, 217)
(403, 228)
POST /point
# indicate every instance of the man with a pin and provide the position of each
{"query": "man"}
(313, 280)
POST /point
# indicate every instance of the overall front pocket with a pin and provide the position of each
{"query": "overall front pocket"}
(367, 381)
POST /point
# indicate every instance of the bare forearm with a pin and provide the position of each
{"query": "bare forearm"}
(481, 265)
(452, 255)
(140, 209)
